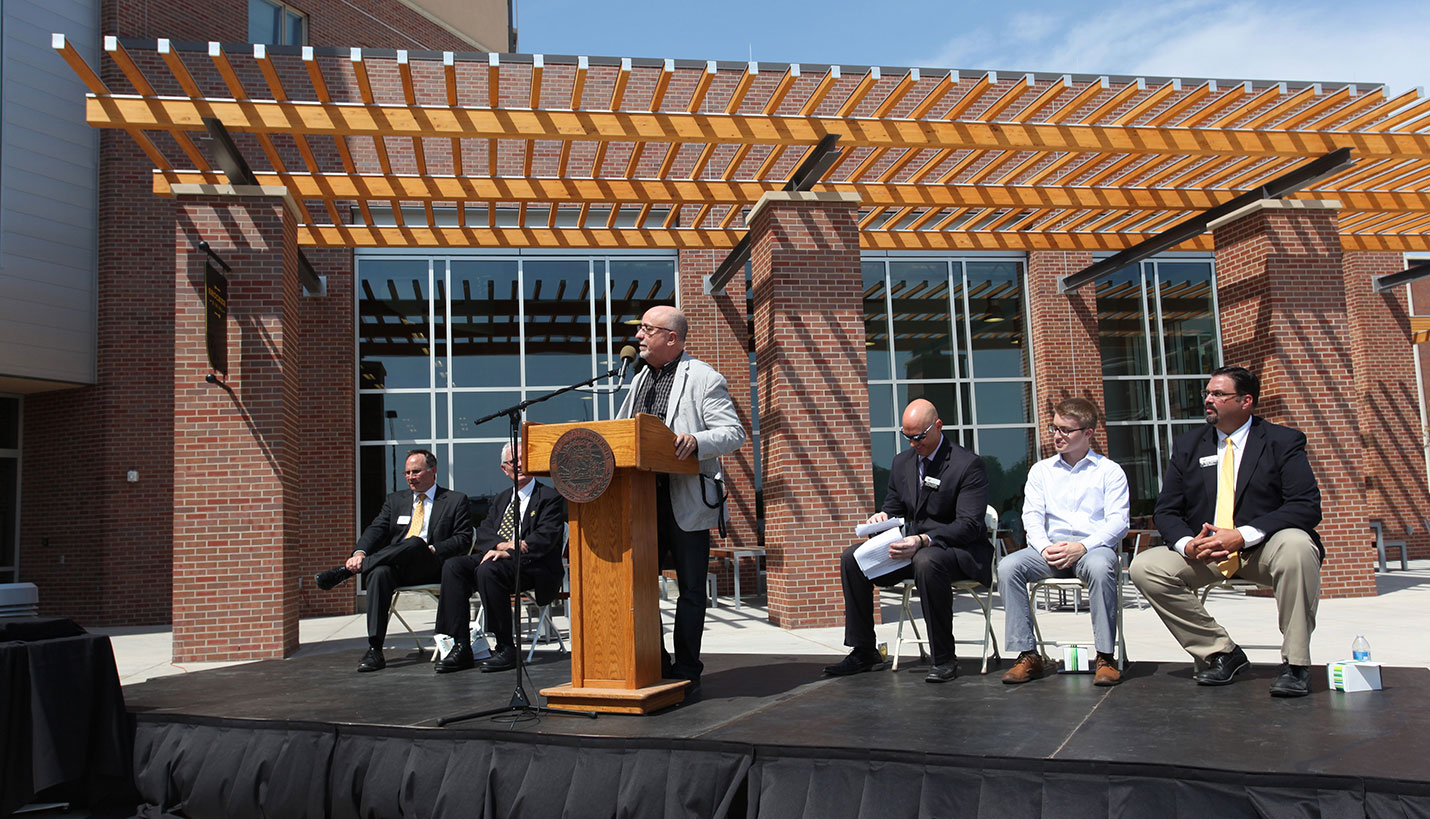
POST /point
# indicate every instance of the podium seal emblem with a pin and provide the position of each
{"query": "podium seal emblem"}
(582, 465)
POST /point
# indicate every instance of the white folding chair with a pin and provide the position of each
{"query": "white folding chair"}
(431, 590)
(1077, 586)
(983, 595)
(1243, 585)
(546, 630)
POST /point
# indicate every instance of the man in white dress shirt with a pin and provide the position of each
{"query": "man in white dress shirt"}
(1075, 515)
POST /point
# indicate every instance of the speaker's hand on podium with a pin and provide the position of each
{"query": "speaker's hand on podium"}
(685, 445)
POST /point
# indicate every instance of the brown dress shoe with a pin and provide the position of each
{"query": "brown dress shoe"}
(1106, 672)
(1028, 667)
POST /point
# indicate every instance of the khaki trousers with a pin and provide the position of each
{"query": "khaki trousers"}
(1286, 561)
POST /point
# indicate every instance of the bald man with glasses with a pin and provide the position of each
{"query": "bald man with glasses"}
(940, 489)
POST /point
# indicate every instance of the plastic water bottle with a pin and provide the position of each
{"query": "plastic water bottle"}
(1360, 649)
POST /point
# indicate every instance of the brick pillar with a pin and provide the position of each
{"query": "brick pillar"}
(236, 462)
(1067, 358)
(1281, 290)
(1392, 437)
(813, 397)
(720, 336)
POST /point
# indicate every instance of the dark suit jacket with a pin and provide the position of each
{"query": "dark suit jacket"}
(952, 515)
(542, 527)
(449, 524)
(1275, 488)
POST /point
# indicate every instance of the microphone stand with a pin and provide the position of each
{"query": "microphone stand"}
(520, 706)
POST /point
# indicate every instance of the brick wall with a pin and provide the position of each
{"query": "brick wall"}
(1282, 295)
(720, 337)
(814, 404)
(237, 476)
(1067, 360)
(1387, 400)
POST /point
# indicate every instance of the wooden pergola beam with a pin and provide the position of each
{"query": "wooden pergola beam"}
(343, 119)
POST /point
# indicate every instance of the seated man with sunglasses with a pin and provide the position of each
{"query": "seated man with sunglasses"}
(940, 490)
(1075, 513)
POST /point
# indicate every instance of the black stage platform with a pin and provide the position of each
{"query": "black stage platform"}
(769, 737)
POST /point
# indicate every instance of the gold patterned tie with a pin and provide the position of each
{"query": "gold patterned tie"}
(507, 527)
(415, 530)
(1225, 503)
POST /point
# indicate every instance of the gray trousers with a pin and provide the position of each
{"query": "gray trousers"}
(1097, 568)
(1286, 562)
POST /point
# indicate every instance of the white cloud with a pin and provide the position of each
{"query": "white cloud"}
(1316, 41)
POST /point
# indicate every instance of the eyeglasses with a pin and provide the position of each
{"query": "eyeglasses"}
(415, 471)
(1064, 431)
(921, 435)
(1219, 395)
(648, 329)
(507, 462)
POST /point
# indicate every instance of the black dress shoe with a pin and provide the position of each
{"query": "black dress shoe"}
(503, 659)
(1222, 667)
(855, 663)
(458, 659)
(942, 673)
(332, 577)
(1295, 681)
(372, 660)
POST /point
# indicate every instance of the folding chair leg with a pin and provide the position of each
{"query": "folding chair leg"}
(988, 636)
(906, 614)
(392, 611)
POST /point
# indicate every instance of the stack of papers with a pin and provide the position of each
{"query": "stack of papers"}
(873, 554)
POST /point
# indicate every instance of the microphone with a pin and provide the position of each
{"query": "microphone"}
(628, 354)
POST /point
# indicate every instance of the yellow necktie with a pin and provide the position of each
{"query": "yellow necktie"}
(1225, 503)
(415, 530)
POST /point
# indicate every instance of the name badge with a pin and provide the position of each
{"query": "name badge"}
(404, 519)
(932, 482)
(1208, 460)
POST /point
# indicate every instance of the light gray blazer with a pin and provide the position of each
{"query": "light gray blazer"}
(699, 405)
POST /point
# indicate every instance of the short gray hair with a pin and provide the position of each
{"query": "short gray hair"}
(505, 452)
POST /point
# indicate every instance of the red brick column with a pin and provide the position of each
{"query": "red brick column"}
(237, 482)
(813, 397)
(1282, 294)
(1388, 407)
(1067, 358)
(720, 336)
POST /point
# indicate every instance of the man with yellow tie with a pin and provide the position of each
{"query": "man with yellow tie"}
(417, 529)
(1239, 498)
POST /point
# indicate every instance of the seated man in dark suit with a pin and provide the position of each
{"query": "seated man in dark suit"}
(1239, 499)
(941, 491)
(417, 529)
(491, 569)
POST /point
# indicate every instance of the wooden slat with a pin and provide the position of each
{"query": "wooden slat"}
(578, 82)
(781, 90)
(1283, 108)
(1216, 105)
(126, 64)
(1183, 104)
(1149, 102)
(1406, 115)
(971, 96)
(1045, 98)
(1014, 93)
(1112, 103)
(662, 84)
(1379, 111)
(866, 82)
(938, 92)
(1369, 99)
(1240, 112)
(1317, 108)
(1079, 99)
(742, 87)
(176, 67)
(287, 117)
(702, 87)
(831, 76)
(895, 94)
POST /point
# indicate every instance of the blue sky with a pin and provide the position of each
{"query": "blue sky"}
(1368, 42)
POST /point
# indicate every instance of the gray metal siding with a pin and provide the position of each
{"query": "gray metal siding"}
(48, 183)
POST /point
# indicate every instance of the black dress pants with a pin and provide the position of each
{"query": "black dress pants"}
(407, 563)
(689, 554)
(492, 580)
(933, 570)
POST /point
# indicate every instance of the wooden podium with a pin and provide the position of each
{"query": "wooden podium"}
(615, 607)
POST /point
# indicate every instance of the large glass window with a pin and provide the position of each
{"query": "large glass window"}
(445, 341)
(9, 487)
(1157, 328)
(276, 23)
(952, 331)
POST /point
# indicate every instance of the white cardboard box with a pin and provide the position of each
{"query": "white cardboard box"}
(1078, 659)
(1349, 676)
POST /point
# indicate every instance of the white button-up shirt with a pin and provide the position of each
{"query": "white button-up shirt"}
(1085, 502)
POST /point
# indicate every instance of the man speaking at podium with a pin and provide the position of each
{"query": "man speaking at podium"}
(694, 401)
